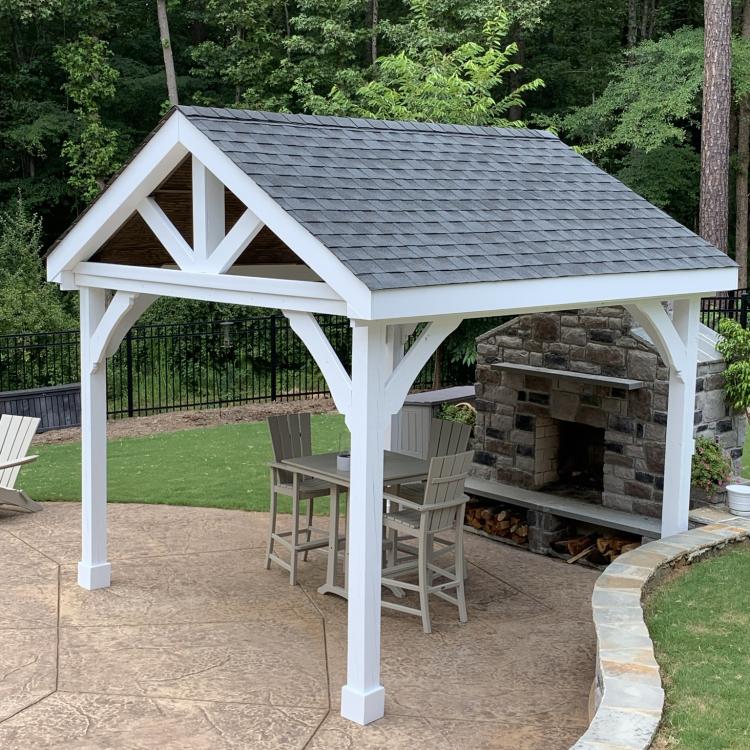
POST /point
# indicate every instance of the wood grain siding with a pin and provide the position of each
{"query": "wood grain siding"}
(136, 245)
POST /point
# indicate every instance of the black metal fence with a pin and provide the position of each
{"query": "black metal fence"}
(168, 367)
(732, 304)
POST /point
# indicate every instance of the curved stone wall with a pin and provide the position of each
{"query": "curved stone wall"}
(628, 690)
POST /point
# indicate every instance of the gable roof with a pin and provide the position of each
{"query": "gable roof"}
(405, 204)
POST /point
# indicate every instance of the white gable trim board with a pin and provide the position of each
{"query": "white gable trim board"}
(381, 375)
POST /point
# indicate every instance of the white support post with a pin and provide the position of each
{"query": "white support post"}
(363, 697)
(93, 570)
(395, 338)
(680, 444)
(208, 212)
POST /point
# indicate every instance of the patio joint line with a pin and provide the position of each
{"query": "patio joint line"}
(36, 549)
(511, 586)
(146, 696)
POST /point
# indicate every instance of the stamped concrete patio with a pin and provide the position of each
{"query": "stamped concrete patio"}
(195, 646)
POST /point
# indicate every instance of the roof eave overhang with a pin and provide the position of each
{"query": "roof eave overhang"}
(537, 295)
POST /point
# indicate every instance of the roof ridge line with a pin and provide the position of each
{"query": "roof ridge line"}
(362, 123)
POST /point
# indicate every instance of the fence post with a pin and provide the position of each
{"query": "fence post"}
(129, 369)
(743, 309)
(274, 358)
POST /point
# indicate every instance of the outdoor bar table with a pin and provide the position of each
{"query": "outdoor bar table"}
(398, 468)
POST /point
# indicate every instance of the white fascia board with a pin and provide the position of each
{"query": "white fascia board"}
(308, 296)
(310, 249)
(149, 167)
(538, 295)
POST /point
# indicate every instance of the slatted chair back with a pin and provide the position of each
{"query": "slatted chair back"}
(291, 437)
(447, 437)
(445, 484)
(15, 438)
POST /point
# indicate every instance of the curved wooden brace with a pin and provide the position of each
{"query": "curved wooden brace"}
(659, 326)
(119, 317)
(401, 379)
(339, 382)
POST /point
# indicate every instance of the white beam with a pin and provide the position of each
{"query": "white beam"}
(94, 571)
(521, 296)
(403, 376)
(680, 444)
(312, 296)
(337, 378)
(395, 338)
(208, 212)
(167, 233)
(152, 164)
(232, 246)
(363, 697)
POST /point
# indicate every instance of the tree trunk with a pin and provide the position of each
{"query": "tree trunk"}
(374, 17)
(713, 212)
(632, 23)
(515, 113)
(166, 48)
(437, 370)
(743, 167)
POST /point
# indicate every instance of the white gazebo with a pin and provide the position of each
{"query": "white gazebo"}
(390, 224)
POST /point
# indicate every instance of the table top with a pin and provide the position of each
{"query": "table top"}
(397, 467)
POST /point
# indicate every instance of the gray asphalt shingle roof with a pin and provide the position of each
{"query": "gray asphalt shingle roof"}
(406, 204)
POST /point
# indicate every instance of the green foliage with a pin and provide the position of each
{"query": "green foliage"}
(652, 100)
(92, 155)
(463, 412)
(27, 302)
(712, 468)
(734, 346)
(429, 84)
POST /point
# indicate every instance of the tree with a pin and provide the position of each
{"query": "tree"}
(92, 156)
(433, 85)
(743, 161)
(166, 46)
(27, 302)
(713, 218)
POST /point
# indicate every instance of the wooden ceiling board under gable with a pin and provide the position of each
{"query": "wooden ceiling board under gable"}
(134, 244)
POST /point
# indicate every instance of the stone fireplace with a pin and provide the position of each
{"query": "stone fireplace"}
(575, 404)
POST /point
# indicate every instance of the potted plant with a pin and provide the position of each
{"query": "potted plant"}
(711, 469)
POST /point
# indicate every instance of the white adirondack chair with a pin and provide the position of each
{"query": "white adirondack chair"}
(15, 439)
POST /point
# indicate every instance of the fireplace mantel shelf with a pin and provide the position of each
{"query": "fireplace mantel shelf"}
(582, 377)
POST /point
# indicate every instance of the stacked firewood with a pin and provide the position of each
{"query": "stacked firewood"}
(598, 549)
(498, 521)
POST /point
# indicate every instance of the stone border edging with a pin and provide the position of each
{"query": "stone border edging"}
(629, 697)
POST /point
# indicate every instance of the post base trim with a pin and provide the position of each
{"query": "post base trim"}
(362, 708)
(92, 577)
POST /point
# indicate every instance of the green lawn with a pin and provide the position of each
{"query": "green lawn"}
(700, 624)
(222, 467)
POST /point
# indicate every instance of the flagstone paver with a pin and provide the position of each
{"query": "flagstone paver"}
(197, 646)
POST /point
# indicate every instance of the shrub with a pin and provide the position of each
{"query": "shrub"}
(712, 468)
(462, 412)
(734, 346)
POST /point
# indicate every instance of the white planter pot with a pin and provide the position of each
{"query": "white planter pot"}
(738, 496)
(343, 462)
